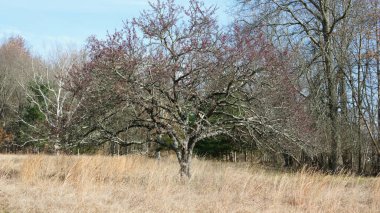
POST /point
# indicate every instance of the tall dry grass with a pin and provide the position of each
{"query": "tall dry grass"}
(138, 184)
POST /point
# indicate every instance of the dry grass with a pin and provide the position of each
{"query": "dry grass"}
(137, 184)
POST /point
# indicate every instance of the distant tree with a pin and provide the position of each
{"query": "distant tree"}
(5, 138)
(50, 107)
(16, 64)
(311, 25)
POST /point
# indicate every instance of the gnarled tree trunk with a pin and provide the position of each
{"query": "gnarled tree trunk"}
(184, 156)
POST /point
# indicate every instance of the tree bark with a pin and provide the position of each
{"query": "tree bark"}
(378, 85)
(185, 163)
(288, 160)
(356, 160)
(184, 154)
(344, 120)
(335, 146)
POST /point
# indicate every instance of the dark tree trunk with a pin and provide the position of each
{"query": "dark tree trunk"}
(288, 160)
(377, 166)
(356, 160)
(112, 148)
(344, 120)
(335, 158)
(378, 88)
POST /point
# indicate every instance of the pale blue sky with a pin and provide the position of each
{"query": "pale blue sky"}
(46, 24)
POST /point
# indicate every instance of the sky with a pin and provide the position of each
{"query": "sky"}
(50, 24)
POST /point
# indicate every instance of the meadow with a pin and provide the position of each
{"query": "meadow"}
(42, 183)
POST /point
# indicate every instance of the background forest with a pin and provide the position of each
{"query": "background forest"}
(287, 83)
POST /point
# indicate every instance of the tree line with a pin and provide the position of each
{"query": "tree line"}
(293, 82)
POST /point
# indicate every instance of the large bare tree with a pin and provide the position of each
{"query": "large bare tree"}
(174, 72)
(309, 24)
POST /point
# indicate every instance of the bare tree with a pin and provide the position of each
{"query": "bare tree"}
(46, 92)
(175, 73)
(310, 22)
(16, 64)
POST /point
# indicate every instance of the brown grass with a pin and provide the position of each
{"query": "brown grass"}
(137, 184)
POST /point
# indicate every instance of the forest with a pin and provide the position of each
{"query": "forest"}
(289, 84)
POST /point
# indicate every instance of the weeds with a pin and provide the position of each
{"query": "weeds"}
(137, 184)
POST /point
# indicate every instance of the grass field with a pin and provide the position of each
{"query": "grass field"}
(138, 184)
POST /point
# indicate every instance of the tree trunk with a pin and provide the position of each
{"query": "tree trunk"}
(112, 148)
(336, 147)
(288, 160)
(158, 154)
(344, 120)
(185, 165)
(184, 155)
(335, 158)
(378, 86)
(356, 160)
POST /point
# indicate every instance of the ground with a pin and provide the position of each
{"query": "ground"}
(43, 183)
